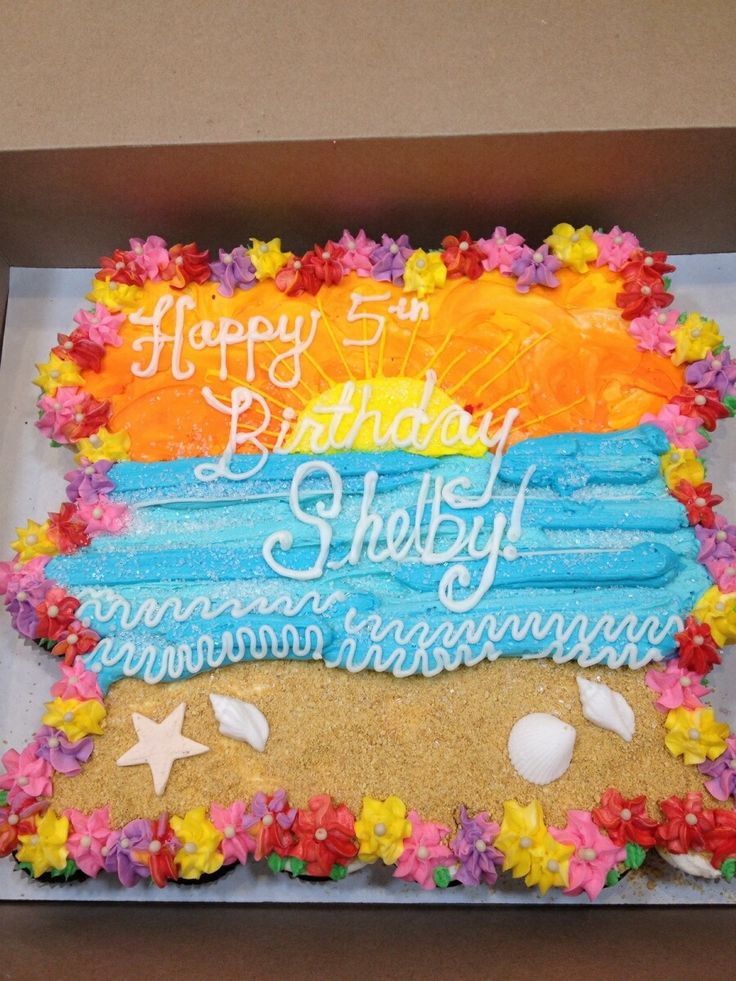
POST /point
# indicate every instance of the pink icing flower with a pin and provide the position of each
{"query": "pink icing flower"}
(77, 682)
(28, 577)
(358, 251)
(237, 843)
(26, 775)
(654, 331)
(151, 256)
(677, 687)
(103, 516)
(89, 837)
(595, 854)
(423, 852)
(101, 325)
(501, 250)
(615, 248)
(681, 430)
(58, 410)
(724, 573)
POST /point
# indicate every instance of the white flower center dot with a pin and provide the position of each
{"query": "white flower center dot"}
(229, 831)
(700, 502)
(297, 264)
(618, 240)
(525, 842)
(22, 781)
(227, 259)
(85, 841)
(53, 611)
(464, 246)
(68, 346)
(97, 513)
(721, 536)
(649, 261)
(716, 364)
(53, 742)
(698, 640)
(79, 417)
(31, 539)
(394, 249)
(104, 851)
(538, 257)
(267, 820)
(625, 814)
(125, 842)
(575, 237)
(693, 734)
(422, 853)
(700, 400)
(691, 819)
(662, 318)
(89, 471)
(68, 717)
(680, 430)
(264, 248)
(21, 595)
(421, 263)
(480, 846)
(646, 290)
(13, 820)
(320, 834)
(72, 639)
(190, 848)
(695, 333)
(588, 854)
(325, 255)
(553, 866)
(685, 681)
(179, 260)
(379, 829)
(34, 839)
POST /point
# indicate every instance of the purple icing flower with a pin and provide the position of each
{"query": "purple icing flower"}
(717, 543)
(535, 267)
(64, 755)
(722, 772)
(276, 806)
(120, 860)
(473, 848)
(716, 371)
(25, 587)
(89, 480)
(390, 258)
(235, 270)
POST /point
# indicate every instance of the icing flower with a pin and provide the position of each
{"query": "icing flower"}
(77, 347)
(186, 265)
(18, 820)
(88, 839)
(26, 774)
(574, 247)
(694, 338)
(550, 866)
(151, 256)
(677, 687)
(625, 820)
(199, 853)
(681, 430)
(103, 516)
(270, 822)
(127, 852)
(75, 719)
(115, 296)
(358, 251)
(424, 272)
(73, 640)
(697, 650)
(67, 529)
(381, 829)
(715, 371)
(55, 612)
(45, 848)
(702, 403)
(521, 837)
(594, 854)
(100, 325)
(267, 257)
(718, 610)
(679, 465)
(57, 411)
(18, 576)
(686, 825)
(390, 258)
(423, 852)
(695, 735)
(237, 843)
(462, 256)
(77, 682)
(718, 542)
(89, 416)
(32, 541)
(699, 502)
(327, 264)
(501, 250)
(325, 836)
(473, 848)
(646, 266)
(120, 267)
(63, 755)
(654, 332)
(104, 445)
(641, 296)
(298, 276)
(722, 772)
(535, 267)
(721, 840)
(89, 480)
(615, 248)
(56, 373)
(724, 573)
(234, 271)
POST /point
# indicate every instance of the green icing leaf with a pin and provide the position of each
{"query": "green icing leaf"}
(635, 855)
(683, 317)
(442, 877)
(612, 877)
(338, 872)
(704, 432)
(3, 798)
(728, 869)
(26, 867)
(46, 643)
(667, 280)
(67, 872)
(296, 866)
(55, 444)
(730, 403)
(275, 862)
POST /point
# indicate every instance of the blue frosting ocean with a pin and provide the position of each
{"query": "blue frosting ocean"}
(603, 570)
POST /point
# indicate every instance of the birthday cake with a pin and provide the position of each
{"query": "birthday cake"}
(379, 554)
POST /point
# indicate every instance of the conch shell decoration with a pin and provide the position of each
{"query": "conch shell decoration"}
(606, 708)
(241, 720)
(540, 747)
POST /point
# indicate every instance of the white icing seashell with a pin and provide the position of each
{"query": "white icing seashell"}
(692, 863)
(540, 747)
(241, 720)
(606, 708)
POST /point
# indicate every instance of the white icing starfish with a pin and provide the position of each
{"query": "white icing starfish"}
(159, 744)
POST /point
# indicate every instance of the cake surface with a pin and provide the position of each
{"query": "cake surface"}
(388, 464)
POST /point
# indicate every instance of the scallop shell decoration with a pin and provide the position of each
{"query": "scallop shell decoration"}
(241, 720)
(540, 747)
(606, 708)
(692, 863)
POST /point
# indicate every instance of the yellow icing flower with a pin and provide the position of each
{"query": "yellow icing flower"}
(679, 464)
(522, 836)
(104, 445)
(199, 853)
(54, 373)
(573, 246)
(75, 719)
(46, 848)
(381, 829)
(718, 610)
(33, 540)
(695, 735)
(424, 272)
(267, 257)
(551, 866)
(116, 296)
(694, 338)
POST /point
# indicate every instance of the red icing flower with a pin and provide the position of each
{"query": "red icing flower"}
(89, 416)
(67, 530)
(77, 347)
(686, 826)
(699, 502)
(625, 820)
(647, 264)
(298, 276)
(721, 839)
(120, 267)
(698, 651)
(55, 613)
(641, 295)
(326, 263)
(75, 639)
(462, 256)
(701, 403)
(187, 265)
(16, 821)
(326, 836)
